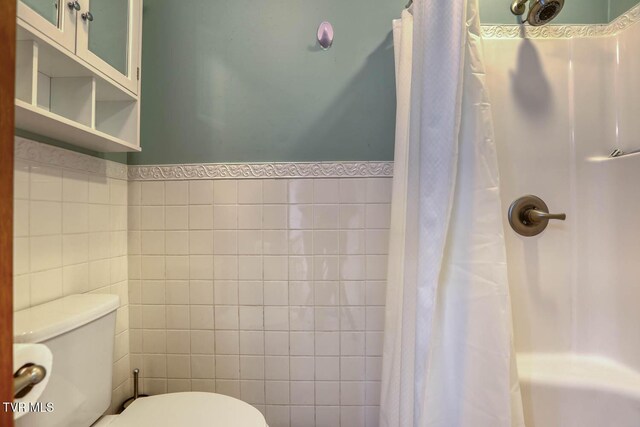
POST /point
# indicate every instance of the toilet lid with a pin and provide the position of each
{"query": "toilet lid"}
(193, 409)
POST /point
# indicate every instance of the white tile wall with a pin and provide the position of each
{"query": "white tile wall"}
(271, 291)
(70, 236)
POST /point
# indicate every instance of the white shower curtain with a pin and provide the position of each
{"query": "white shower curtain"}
(448, 353)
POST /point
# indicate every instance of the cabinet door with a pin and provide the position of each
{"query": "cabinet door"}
(109, 38)
(54, 19)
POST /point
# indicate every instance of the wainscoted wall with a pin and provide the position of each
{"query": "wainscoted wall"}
(269, 290)
(272, 290)
(70, 235)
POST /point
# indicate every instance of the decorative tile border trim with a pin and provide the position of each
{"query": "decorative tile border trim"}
(261, 170)
(37, 152)
(563, 31)
(545, 32)
(26, 149)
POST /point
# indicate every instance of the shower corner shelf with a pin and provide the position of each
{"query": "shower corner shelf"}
(61, 96)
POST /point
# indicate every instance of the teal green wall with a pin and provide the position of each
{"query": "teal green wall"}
(618, 7)
(243, 80)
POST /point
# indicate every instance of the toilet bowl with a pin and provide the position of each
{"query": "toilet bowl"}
(79, 331)
(193, 409)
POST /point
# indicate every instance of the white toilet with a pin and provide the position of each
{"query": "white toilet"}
(79, 330)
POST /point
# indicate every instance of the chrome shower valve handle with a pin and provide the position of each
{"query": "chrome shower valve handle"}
(529, 216)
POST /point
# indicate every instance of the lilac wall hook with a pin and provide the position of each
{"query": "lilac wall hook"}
(325, 35)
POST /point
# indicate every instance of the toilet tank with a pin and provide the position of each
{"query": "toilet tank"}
(79, 331)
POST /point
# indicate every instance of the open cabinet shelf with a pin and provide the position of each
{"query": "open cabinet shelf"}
(43, 122)
(60, 96)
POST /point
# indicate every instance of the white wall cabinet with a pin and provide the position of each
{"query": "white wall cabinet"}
(78, 74)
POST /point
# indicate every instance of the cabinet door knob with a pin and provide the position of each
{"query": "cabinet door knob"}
(87, 16)
(74, 5)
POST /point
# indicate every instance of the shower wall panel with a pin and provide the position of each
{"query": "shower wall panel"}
(529, 84)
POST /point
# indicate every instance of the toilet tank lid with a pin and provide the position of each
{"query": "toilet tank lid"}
(45, 321)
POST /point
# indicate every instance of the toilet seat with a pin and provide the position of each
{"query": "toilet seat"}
(189, 409)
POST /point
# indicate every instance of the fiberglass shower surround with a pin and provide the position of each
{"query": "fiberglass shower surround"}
(565, 98)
